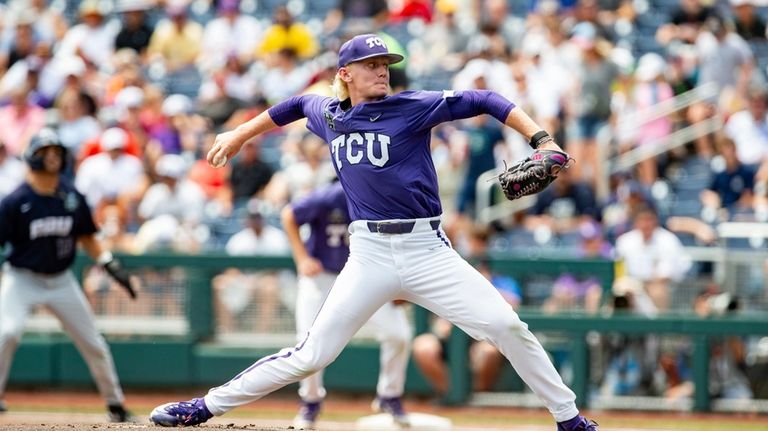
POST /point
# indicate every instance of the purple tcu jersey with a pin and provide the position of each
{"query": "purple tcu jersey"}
(325, 210)
(381, 150)
(43, 230)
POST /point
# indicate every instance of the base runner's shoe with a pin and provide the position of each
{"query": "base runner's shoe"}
(116, 413)
(181, 414)
(392, 406)
(307, 416)
(579, 423)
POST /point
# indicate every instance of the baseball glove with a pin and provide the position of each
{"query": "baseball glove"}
(115, 269)
(533, 174)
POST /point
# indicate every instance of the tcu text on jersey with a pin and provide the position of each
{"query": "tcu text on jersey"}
(50, 226)
(357, 145)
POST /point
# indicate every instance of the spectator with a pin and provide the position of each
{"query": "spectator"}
(226, 90)
(355, 10)
(181, 130)
(249, 174)
(77, 123)
(589, 104)
(564, 205)
(686, 22)
(286, 76)
(748, 128)
(112, 175)
(749, 25)
(631, 359)
(724, 58)
(230, 34)
(93, 39)
(653, 256)
(11, 172)
(728, 357)
(732, 186)
(173, 194)
(21, 44)
(48, 23)
(287, 34)
(176, 41)
(21, 120)
(651, 89)
(136, 31)
(482, 139)
(235, 289)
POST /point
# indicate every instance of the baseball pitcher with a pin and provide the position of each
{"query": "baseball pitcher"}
(380, 146)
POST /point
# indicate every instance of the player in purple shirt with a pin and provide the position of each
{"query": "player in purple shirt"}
(319, 261)
(380, 146)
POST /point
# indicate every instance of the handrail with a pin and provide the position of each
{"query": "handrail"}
(665, 144)
(676, 139)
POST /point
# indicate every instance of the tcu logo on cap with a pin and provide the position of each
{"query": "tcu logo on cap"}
(375, 41)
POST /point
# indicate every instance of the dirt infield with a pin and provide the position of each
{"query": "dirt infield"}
(84, 411)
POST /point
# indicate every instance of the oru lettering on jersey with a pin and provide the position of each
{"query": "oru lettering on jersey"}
(352, 147)
(50, 226)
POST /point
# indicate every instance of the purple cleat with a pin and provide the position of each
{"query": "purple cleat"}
(579, 423)
(392, 406)
(181, 414)
(307, 416)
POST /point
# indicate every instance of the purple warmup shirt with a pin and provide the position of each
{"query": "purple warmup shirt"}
(325, 210)
(381, 150)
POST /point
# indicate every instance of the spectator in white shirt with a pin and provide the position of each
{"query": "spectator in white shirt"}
(231, 33)
(749, 128)
(112, 174)
(653, 255)
(11, 172)
(93, 40)
(173, 194)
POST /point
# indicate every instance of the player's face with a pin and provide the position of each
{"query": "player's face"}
(369, 78)
(53, 158)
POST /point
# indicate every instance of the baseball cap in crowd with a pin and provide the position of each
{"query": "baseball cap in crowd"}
(129, 97)
(171, 166)
(176, 104)
(365, 46)
(113, 138)
(650, 67)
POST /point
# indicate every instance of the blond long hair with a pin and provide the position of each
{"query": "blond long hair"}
(339, 88)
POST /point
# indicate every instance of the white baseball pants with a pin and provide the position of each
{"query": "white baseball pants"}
(419, 267)
(389, 323)
(21, 291)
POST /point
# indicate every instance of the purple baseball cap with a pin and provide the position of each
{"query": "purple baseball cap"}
(365, 46)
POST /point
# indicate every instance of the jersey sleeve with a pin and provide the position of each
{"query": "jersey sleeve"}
(426, 109)
(309, 207)
(297, 107)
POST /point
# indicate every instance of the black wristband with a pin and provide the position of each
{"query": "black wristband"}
(539, 138)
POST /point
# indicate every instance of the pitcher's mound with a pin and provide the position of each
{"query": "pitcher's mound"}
(418, 422)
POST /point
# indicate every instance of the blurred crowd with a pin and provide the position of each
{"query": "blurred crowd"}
(137, 90)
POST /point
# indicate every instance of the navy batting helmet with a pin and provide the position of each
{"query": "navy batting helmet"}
(44, 138)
